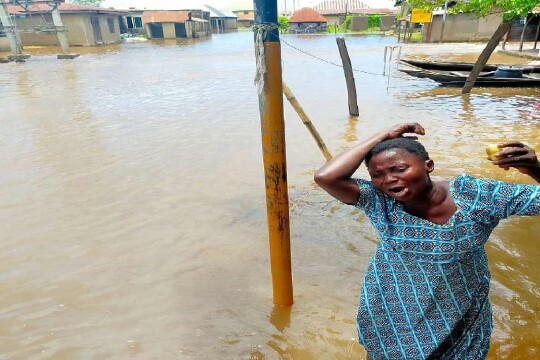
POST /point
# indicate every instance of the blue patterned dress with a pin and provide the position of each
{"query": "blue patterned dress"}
(425, 293)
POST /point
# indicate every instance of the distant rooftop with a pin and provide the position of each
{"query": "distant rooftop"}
(307, 15)
(340, 5)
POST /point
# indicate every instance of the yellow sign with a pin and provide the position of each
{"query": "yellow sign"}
(420, 16)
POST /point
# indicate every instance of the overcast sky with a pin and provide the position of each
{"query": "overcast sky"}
(220, 4)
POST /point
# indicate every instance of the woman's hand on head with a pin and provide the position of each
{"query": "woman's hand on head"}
(515, 154)
(405, 128)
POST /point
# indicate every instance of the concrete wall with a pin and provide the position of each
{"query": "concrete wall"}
(79, 26)
(305, 25)
(231, 24)
(387, 22)
(463, 27)
(333, 19)
(245, 23)
(359, 23)
(4, 44)
(169, 32)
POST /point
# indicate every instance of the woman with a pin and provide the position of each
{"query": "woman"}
(425, 293)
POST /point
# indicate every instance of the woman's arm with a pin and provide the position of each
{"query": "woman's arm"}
(520, 156)
(335, 175)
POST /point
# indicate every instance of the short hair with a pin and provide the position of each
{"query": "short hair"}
(403, 143)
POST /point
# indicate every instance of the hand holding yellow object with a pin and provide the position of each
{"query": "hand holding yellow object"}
(515, 154)
(491, 150)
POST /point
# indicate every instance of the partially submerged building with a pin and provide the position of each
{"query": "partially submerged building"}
(307, 20)
(222, 20)
(245, 18)
(85, 25)
(172, 24)
(336, 12)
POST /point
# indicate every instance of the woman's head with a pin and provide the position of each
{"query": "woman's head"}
(400, 168)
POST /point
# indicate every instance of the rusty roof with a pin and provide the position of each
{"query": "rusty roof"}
(246, 17)
(340, 5)
(168, 16)
(62, 7)
(165, 16)
(307, 15)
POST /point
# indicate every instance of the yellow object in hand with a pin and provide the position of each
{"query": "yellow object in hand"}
(491, 150)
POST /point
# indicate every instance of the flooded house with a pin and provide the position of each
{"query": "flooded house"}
(173, 24)
(86, 25)
(246, 18)
(307, 20)
(133, 22)
(336, 12)
(222, 20)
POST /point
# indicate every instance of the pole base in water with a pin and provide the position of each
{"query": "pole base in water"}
(67, 56)
(18, 58)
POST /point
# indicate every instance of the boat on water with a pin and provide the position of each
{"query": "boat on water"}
(501, 77)
(460, 66)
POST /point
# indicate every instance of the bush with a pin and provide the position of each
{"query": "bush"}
(374, 21)
(283, 23)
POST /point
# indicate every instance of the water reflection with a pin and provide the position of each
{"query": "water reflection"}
(133, 200)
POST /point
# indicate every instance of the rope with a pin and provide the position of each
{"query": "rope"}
(336, 64)
(261, 32)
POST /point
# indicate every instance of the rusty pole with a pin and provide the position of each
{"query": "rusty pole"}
(268, 53)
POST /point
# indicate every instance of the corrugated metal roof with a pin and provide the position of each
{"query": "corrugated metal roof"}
(307, 15)
(340, 5)
(63, 8)
(217, 13)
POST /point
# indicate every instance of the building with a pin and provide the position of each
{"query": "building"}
(307, 20)
(133, 22)
(221, 20)
(461, 27)
(245, 18)
(335, 10)
(86, 25)
(172, 24)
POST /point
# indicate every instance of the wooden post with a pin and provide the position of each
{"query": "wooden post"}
(399, 31)
(506, 36)
(523, 33)
(443, 21)
(305, 119)
(537, 33)
(349, 77)
(11, 32)
(268, 53)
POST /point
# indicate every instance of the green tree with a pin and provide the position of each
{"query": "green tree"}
(283, 22)
(511, 10)
(86, 2)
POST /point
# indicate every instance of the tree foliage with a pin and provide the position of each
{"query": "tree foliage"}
(86, 2)
(509, 8)
(283, 22)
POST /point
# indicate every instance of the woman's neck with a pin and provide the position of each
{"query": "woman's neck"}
(434, 195)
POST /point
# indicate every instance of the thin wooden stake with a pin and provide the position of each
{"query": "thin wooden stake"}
(305, 119)
(349, 77)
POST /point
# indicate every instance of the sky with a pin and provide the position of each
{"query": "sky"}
(220, 4)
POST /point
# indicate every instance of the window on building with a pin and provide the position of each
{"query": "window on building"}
(110, 22)
(129, 20)
(137, 22)
(246, 12)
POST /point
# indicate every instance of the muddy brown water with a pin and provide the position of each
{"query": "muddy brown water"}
(132, 206)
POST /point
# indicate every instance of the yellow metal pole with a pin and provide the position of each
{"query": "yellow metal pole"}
(268, 52)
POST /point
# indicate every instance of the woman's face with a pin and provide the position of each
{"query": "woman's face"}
(400, 174)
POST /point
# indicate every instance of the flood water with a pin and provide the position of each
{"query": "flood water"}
(132, 209)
